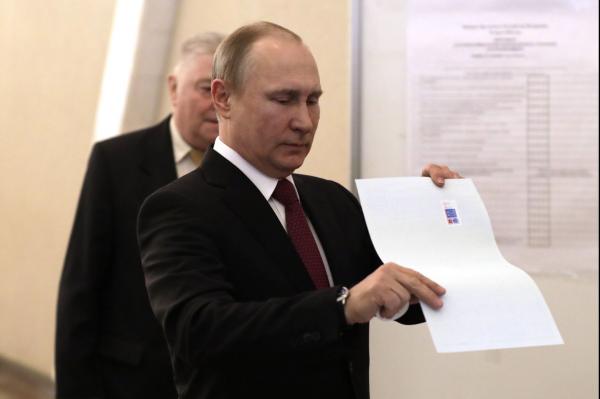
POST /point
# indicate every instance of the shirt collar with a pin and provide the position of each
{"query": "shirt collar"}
(180, 147)
(265, 184)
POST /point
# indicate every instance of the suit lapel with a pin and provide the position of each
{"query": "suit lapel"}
(249, 205)
(157, 163)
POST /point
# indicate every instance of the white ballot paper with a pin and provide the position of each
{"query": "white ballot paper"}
(446, 234)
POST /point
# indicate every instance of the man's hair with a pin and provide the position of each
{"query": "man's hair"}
(231, 58)
(199, 44)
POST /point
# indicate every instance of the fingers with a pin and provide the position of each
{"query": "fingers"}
(378, 292)
(438, 289)
(387, 290)
(423, 291)
(421, 287)
(396, 299)
(439, 173)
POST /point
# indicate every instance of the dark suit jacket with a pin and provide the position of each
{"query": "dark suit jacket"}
(241, 315)
(108, 342)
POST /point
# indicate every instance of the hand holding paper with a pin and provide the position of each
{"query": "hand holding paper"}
(387, 291)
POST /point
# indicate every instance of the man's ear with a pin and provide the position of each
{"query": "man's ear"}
(172, 84)
(221, 96)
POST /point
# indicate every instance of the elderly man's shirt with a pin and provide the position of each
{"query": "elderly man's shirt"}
(181, 151)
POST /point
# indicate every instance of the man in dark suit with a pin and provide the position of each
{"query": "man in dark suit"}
(264, 281)
(108, 342)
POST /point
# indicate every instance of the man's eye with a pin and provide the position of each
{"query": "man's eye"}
(312, 101)
(282, 100)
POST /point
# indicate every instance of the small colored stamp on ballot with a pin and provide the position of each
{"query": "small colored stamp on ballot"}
(451, 212)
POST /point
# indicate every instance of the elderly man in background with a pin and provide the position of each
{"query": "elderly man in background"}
(265, 280)
(108, 342)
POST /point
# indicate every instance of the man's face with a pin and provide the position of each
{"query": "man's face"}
(274, 115)
(191, 102)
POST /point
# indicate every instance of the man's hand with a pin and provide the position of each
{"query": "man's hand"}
(439, 173)
(387, 290)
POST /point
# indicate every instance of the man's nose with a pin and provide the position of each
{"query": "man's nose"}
(302, 122)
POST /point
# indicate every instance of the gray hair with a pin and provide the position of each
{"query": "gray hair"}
(199, 44)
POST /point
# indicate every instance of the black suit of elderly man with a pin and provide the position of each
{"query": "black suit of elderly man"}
(263, 280)
(108, 342)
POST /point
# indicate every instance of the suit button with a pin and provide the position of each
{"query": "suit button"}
(351, 367)
(311, 337)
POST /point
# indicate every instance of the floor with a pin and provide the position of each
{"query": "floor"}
(18, 382)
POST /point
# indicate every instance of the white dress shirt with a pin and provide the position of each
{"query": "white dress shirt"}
(266, 185)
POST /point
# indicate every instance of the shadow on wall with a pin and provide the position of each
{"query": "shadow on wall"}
(20, 382)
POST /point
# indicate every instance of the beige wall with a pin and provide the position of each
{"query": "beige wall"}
(324, 27)
(51, 66)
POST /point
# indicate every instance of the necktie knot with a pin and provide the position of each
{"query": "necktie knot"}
(285, 193)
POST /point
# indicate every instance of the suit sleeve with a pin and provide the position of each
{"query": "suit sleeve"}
(88, 257)
(196, 304)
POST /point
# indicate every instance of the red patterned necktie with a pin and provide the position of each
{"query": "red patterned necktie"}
(300, 234)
